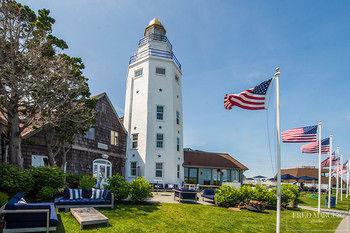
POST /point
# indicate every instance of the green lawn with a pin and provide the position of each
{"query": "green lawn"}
(200, 218)
(307, 200)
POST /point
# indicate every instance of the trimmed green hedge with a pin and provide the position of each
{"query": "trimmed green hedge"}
(87, 182)
(14, 179)
(47, 177)
(228, 196)
(140, 189)
(118, 186)
(72, 180)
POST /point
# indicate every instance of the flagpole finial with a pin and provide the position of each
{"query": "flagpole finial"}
(277, 71)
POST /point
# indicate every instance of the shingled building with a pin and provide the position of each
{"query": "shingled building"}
(100, 151)
(211, 168)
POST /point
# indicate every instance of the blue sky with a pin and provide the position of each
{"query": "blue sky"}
(225, 47)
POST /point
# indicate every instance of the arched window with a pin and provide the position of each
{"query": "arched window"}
(102, 169)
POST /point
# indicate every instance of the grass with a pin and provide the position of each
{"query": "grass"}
(307, 200)
(199, 218)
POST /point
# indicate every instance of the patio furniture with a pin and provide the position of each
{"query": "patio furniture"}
(107, 200)
(185, 195)
(208, 194)
(88, 216)
(170, 187)
(20, 216)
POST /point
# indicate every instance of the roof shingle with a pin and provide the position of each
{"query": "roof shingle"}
(195, 158)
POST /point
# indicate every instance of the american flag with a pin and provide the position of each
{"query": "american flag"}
(341, 169)
(325, 163)
(312, 148)
(251, 99)
(302, 134)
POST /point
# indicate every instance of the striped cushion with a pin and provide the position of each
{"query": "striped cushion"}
(75, 193)
(98, 193)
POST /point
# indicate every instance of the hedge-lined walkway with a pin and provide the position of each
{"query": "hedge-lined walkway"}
(200, 218)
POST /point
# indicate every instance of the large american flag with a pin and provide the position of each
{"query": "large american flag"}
(251, 99)
(302, 134)
(312, 148)
(325, 163)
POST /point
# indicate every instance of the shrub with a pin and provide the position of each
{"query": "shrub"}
(290, 193)
(14, 179)
(3, 198)
(72, 180)
(245, 193)
(47, 177)
(227, 196)
(47, 193)
(271, 199)
(87, 182)
(118, 186)
(260, 193)
(140, 189)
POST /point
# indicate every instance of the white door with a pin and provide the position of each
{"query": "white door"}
(102, 169)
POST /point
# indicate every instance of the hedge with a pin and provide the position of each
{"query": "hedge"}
(228, 196)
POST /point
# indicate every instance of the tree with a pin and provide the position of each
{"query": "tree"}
(68, 109)
(39, 85)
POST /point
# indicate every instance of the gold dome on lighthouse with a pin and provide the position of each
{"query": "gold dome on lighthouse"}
(155, 23)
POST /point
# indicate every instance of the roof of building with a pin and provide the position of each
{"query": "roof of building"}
(307, 171)
(99, 96)
(196, 158)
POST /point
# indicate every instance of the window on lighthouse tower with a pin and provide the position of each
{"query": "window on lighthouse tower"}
(160, 140)
(160, 70)
(160, 112)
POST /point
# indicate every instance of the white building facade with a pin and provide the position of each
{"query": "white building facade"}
(153, 110)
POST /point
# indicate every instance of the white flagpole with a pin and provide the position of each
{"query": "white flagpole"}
(341, 178)
(337, 177)
(330, 171)
(319, 165)
(278, 150)
(347, 180)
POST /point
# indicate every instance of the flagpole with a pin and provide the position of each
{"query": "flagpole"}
(319, 165)
(278, 150)
(347, 180)
(341, 178)
(337, 176)
(330, 171)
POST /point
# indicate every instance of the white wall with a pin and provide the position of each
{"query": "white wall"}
(142, 97)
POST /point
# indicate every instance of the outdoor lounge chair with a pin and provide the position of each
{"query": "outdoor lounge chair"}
(170, 187)
(208, 194)
(28, 217)
(86, 201)
(185, 195)
(158, 186)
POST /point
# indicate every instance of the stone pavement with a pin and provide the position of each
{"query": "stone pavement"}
(168, 197)
(344, 225)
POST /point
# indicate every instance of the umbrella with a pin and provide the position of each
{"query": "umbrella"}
(288, 177)
(259, 177)
(307, 178)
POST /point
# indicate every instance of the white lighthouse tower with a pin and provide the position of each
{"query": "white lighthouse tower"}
(153, 110)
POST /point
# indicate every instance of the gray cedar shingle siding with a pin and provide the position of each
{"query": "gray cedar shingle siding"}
(84, 151)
